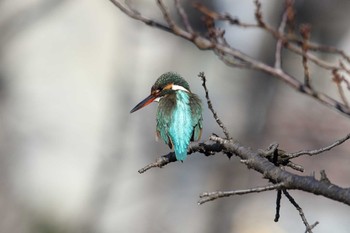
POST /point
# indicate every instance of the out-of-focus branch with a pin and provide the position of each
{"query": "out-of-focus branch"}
(305, 33)
(137, 16)
(236, 58)
(339, 80)
(183, 15)
(279, 43)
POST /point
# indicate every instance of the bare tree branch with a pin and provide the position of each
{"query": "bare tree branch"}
(210, 106)
(259, 163)
(183, 15)
(300, 210)
(204, 148)
(305, 33)
(222, 16)
(318, 151)
(279, 43)
(339, 79)
(278, 205)
(312, 226)
(278, 175)
(137, 16)
(166, 15)
(230, 55)
(206, 197)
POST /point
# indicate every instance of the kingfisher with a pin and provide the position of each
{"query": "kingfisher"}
(179, 113)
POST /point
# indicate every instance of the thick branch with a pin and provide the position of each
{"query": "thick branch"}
(278, 175)
(261, 164)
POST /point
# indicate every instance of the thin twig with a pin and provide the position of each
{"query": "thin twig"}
(137, 16)
(279, 43)
(160, 162)
(305, 33)
(342, 94)
(210, 106)
(294, 166)
(278, 205)
(222, 17)
(129, 4)
(338, 79)
(329, 49)
(318, 151)
(347, 71)
(183, 15)
(206, 197)
(312, 226)
(290, 16)
(300, 210)
(258, 14)
(166, 14)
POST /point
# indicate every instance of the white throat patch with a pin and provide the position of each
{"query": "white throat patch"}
(177, 87)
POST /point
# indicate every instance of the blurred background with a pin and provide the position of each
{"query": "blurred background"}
(70, 72)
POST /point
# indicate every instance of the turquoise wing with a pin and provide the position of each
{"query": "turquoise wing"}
(164, 115)
(179, 120)
(181, 127)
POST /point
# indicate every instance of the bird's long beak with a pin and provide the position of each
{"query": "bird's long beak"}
(144, 103)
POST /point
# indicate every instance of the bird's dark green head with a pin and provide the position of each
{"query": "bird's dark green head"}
(166, 84)
(168, 80)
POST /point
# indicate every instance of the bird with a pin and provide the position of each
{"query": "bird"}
(179, 114)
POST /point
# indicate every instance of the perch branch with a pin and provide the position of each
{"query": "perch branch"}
(278, 175)
(274, 173)
(204, 148)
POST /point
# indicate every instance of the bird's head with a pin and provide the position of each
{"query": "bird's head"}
(166, 84)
